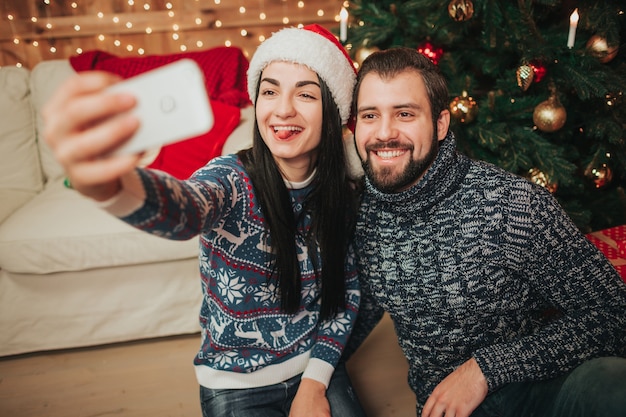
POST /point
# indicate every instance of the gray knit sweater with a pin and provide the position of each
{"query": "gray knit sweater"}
(474, 261)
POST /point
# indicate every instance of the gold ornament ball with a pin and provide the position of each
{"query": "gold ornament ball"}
(461, 10)
(600, 174)
(599, 48)
(363, 52)
(540, 178)
(550, 115)
(464, 108)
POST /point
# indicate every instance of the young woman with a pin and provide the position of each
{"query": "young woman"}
(274, 221)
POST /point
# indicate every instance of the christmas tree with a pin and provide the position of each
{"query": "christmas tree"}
(536, 87)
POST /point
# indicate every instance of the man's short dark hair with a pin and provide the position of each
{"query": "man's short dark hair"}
(391, 62)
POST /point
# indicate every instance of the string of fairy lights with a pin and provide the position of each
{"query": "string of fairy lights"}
(113, 28)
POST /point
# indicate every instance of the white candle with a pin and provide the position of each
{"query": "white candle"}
(343, 25)
(573, 23)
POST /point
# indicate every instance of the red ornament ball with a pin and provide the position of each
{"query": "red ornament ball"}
(539, 69)
(429, 50)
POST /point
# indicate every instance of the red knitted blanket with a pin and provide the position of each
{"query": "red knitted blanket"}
(225, 81)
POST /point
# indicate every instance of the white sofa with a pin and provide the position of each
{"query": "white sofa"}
(71, 275)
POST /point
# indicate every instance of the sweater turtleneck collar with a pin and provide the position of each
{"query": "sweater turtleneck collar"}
(443, 176)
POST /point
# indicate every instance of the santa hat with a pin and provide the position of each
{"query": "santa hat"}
(319, 50)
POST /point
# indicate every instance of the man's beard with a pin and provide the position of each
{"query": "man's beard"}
(387, 182)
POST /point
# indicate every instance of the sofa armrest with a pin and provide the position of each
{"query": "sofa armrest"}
(20, 173)
(44, 80)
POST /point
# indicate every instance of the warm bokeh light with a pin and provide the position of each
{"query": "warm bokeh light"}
(141, 27)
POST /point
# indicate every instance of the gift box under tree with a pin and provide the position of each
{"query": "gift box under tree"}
(612, 242)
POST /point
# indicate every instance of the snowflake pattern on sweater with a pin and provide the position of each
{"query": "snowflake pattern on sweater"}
(468, 261)
(243, 327)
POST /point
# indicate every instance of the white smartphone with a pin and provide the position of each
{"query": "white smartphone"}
(172, 105)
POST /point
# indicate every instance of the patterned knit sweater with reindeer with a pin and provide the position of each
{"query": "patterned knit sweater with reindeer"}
(247, 341)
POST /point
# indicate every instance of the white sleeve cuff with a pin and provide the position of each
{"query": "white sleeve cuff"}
(319, 370)
(130, 198)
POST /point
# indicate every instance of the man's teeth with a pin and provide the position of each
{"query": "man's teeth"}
(389, 154)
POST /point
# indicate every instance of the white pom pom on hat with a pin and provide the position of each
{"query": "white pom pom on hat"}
(318, 49)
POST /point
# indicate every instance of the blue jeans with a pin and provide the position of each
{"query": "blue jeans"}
(275, 400)
(596, 388)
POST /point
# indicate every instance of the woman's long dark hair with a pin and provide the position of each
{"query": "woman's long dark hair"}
(331, 203)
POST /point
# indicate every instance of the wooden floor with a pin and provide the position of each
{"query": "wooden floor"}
(155, 378)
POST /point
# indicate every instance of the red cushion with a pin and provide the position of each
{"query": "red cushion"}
(181, 159)
(225, 80)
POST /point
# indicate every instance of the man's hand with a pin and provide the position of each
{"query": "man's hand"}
(459, 394)
(310, 400)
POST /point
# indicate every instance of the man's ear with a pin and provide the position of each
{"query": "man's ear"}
(443, 124)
